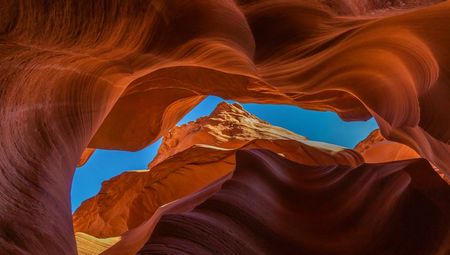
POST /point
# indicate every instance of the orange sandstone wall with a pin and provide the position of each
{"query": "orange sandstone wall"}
(118, 74)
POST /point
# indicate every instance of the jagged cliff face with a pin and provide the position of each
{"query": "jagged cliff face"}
(119, 74)
(190, 157)
(229, 127)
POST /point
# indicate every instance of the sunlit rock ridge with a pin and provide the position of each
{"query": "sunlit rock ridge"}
(78, 75)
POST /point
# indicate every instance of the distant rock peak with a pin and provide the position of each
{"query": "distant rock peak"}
(228, 125)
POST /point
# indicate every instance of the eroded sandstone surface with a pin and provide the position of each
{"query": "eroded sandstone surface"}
(377, 149)
(191, 157)
(396, 208)
(112, 74)
(196, 186)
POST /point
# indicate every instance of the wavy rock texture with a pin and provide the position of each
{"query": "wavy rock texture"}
(375, 149)
(132, 241)
(89, 245)
(396, 208)
(361, 7)
(118, 74)
(190, 157)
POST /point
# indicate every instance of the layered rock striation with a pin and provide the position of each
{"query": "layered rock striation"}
(119, 74)
(389, 208)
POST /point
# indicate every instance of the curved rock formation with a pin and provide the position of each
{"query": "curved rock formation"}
(375, 149)
(190, 157)
(375, 7)
(396, 208)
(87, 153)
(132, 241)
(118, 74)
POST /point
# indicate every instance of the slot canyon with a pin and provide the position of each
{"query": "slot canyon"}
(83, 77)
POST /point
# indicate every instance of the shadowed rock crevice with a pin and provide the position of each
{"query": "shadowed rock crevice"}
(396, 208)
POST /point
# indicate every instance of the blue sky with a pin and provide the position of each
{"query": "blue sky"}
(318, 126)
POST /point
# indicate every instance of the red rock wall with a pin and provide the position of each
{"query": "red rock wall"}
(396, 208)
(117, 74)
(375, 149)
